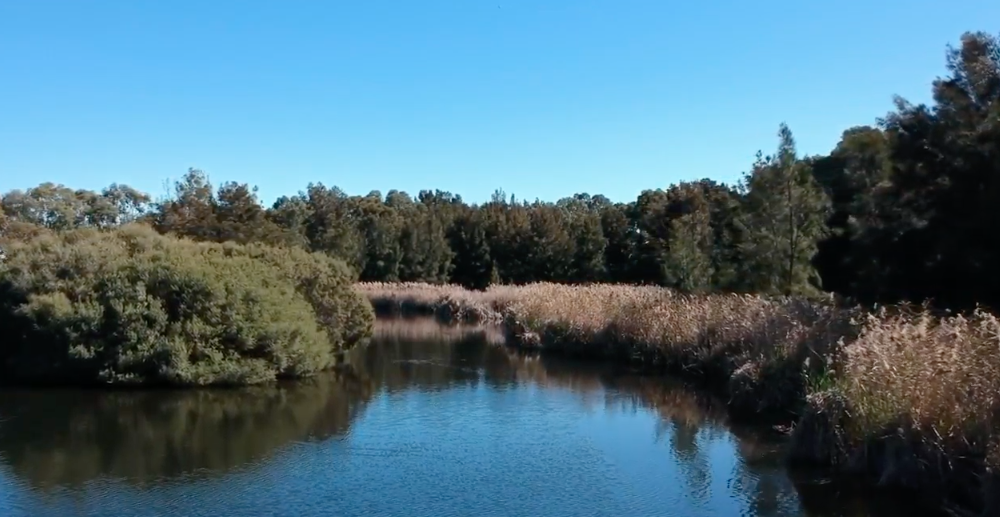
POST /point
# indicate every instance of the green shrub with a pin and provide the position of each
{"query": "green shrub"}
(327, 284)
(130, 306)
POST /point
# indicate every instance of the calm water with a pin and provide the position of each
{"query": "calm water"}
(431, 422)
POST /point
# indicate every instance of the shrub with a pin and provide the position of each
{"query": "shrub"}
(130, 306)
(327, 284)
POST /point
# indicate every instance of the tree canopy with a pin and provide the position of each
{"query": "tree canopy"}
(900, 209)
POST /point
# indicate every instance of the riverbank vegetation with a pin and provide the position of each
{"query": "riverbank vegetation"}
(902, 395)
(791, 288)
(130, 306)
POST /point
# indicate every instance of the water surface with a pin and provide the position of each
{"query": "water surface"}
(430, 421)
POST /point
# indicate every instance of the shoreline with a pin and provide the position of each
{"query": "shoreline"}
(787, 366)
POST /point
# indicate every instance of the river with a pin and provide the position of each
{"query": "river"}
(428, 421)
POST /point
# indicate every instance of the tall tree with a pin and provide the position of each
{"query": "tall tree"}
(552, 248)
(426, 255)
(291, 215)
(851, 176)
(588, 245)
(934, 234)
(241, 218)
(332, 225)
(619, 249)
(191, 211)
(687, 263)
(786, 214)
(473, 265)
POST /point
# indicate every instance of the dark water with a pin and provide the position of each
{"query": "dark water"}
(431, 422)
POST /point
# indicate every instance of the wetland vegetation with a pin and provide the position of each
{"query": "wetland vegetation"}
(792, 292)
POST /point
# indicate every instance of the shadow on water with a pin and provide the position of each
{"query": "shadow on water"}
(59, 439)
(64, 438)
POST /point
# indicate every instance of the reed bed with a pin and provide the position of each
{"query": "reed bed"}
(902, 396)
(449, 304)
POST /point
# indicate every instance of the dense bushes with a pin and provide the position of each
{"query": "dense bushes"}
(131, 306)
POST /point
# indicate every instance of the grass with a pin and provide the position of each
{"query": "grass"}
(902, 396)
(447, 303)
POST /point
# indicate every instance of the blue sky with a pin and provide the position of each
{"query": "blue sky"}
(540, 98)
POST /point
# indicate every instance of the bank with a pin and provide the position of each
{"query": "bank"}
(903, 398)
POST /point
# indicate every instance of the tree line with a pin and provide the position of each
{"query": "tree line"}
(900, 210)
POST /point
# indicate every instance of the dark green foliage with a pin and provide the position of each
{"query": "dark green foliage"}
(919, 198)
(130, 306)
(551, 246)
(588, 246)
(381, 228)
(473, 266)
(688, 258)
(426, 254)
(620, 239)
(785, 218)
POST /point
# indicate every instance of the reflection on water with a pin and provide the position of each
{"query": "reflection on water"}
(427, 421)
(66, 438)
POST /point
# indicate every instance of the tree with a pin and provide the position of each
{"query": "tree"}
(381, 227)
(48, 205)
(652, 236)
(551, 247)
(687, 265)
(786, 214)
(128, 203)
(191, 211)
(588, 244)
(851, 176)
(508, 232)
(620, 243)
(933, 236)
(426, 255)
(473, 266)
(241, 218)
(332, 225)
(291, 215)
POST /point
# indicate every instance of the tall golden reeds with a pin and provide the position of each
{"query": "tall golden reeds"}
(905, 396)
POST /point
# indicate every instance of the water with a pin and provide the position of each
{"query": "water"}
(430, 422)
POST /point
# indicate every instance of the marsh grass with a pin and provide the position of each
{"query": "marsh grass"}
(917, 403)
(903, 396)
(447, 303)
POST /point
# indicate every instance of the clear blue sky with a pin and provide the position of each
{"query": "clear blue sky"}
(540, 98)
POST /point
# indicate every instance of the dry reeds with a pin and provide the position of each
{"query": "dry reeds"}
(907, 397)
(918, 404)
(762, 347)
(447, 303)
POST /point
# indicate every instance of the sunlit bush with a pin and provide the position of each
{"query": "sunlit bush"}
(132, 306)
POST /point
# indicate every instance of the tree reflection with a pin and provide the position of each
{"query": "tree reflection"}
(57, 437)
